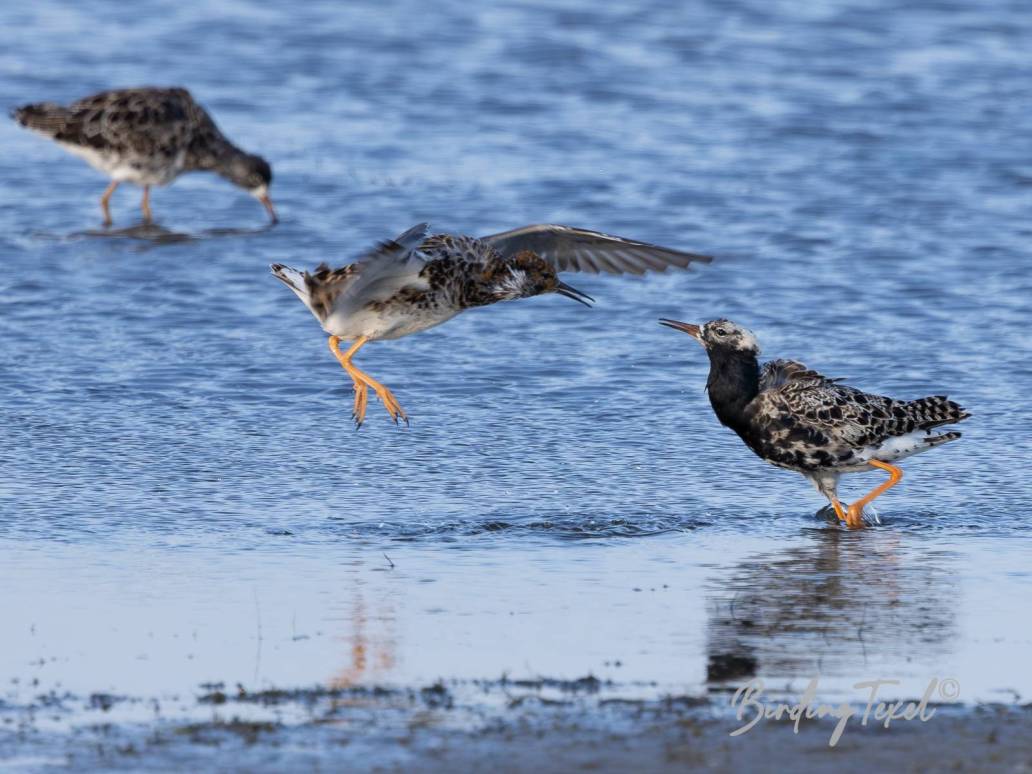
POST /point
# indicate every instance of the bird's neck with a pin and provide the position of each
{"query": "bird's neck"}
(213, 153)
(734, 380)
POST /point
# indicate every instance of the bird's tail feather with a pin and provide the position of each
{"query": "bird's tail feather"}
(934, 411)
(941, 438)
(292, 278)
(317, 291)
(45, 117)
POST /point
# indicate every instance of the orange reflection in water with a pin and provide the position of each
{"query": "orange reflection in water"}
(371, 645)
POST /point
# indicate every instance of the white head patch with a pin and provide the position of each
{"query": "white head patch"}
(731, 335)
(513, 283)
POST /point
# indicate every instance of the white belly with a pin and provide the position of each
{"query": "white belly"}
(140, 170)
(895, 449)
(385, 324)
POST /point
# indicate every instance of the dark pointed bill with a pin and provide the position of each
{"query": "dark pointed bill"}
(565, 290)
(267, 202)
(692, 330)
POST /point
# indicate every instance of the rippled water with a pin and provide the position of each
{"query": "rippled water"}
(184, 498)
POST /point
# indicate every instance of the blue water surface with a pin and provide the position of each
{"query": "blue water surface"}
(183, 496)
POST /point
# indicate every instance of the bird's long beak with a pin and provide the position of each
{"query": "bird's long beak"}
(267, 203)
(565, 290)
(692, 330)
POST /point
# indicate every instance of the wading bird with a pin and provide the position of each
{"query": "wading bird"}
(147, 136)
(416, 281)
(799, 420)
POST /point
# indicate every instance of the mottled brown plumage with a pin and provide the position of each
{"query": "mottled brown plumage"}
(814, 423)
(147, 136)
(800, 420)
(417, 281)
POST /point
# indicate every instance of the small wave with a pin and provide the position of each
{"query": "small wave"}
(563, 526)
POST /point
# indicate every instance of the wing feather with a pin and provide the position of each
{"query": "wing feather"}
(576, 249)
(375, 275)
(793, 395)
(381, 272)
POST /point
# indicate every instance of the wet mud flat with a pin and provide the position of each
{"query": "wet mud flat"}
(496, 725)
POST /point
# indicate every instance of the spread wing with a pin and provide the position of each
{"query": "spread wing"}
(375, 276)
(577, 249)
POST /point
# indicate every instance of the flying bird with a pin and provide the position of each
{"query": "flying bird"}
(799, 420)
(416, 281)
(147, 136)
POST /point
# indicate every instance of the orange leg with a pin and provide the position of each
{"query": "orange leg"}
(361, 402)
(361, 391)
(363, 381)
(105, 202)
(856, 510)
(148, 217)
(839, 511)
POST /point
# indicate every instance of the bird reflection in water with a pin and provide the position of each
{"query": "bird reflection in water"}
(835, 606)
(153, 234)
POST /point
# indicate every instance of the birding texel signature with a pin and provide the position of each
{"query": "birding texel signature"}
(749, 700)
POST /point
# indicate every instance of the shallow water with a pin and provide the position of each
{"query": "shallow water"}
(184, 499)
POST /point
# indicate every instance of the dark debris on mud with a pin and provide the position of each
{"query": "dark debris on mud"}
(436, 695)
(532, 723)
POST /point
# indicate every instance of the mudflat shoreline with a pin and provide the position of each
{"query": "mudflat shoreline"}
(499, 725)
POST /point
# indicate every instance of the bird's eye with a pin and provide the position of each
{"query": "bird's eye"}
(721, 331)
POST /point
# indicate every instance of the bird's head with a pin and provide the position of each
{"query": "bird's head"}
(719, 336)
(528, 274)
(253, 174)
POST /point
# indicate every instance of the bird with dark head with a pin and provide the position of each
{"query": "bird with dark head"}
(525, 275)
(416, 281)
(799, 420)
(250, 172)
(147, 136)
